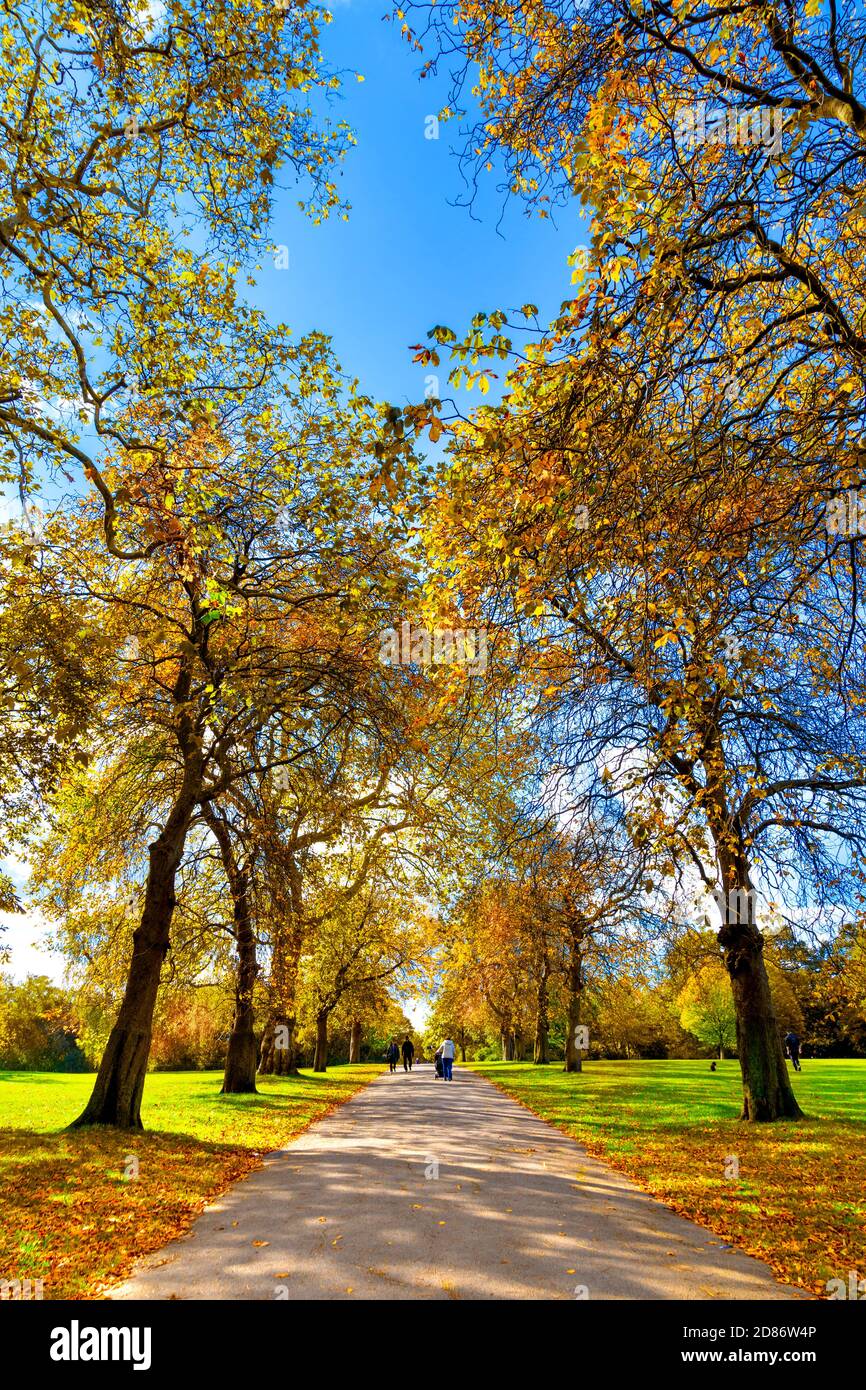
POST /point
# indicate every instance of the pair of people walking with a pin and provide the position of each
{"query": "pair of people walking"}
(394, 1052)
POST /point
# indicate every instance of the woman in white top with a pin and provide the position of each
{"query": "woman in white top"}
(447, 1058)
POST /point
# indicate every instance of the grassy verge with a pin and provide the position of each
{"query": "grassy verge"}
(799, 1199)
(68, 1213)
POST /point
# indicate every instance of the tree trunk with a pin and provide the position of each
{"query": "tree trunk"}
(286, 1059)
(239, 1077)
(355, 1041)
(116, 1095)
(573, 1058)
(267, 1050)
(540, 1050)
(462, 1045)
(767, 1093)
(320, 1061)
(279, 1053)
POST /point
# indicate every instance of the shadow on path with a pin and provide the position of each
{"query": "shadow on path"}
(417, 1188)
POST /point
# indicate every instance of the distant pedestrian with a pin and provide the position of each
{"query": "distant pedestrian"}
(393, 1054)
(447, 1058)
(792, 1043)
(408, 1054)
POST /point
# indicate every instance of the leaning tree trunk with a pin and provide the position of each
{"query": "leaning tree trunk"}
(767, 1093)
(320, 1061)
(116, 1096)
(573, 1058)
(355, 1041)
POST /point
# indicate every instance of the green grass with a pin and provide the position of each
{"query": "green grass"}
(67, 1213)
(798, 1202)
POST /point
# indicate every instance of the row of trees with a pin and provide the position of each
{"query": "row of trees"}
(563, 951)
(47, 1028)
(230, 784)
(648, 513)
(221, 765)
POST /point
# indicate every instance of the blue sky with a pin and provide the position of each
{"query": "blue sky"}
(407, 258)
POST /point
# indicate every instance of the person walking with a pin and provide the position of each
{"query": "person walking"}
(408, 1054)
(447, 1059)
(393, 1054)
(792, 1043)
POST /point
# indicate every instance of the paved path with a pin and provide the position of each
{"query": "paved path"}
(518, 1210)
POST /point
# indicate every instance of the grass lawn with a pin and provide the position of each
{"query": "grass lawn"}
(799, 1202)
(68, 1216)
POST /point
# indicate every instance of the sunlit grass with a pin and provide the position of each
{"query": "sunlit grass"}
(798, 1201)
(68, 1212)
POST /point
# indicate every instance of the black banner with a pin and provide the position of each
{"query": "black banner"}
(83, 1341)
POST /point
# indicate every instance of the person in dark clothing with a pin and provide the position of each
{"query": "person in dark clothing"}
(792, 1043)
(393, 1054)
(408, 1054)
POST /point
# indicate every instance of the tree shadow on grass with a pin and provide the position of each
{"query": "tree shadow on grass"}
(41, 1078)
(71, 1215)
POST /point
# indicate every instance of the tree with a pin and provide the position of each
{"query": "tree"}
(38, 1027)
(236, 622)
(692, 135)
(707, 1008)
(713, 316)
(362, 939)
(687, 622)
(632, 1016)
(125, 129)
